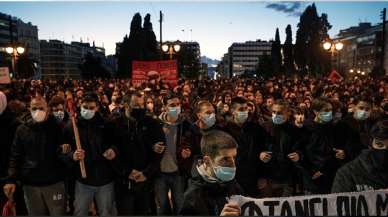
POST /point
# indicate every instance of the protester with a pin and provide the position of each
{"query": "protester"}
(208, 191)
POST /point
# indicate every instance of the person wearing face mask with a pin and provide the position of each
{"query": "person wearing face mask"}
(337, 114)
(57, 108)
(249, 136)
(140, 142)
(323, 155)
(353, 130)
(35, 162)
(189, 146)
(170, 176)
(369, 170)
(281, 151)
(214, 181)
(95, 134)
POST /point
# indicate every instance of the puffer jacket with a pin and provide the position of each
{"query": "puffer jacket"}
(35, 154)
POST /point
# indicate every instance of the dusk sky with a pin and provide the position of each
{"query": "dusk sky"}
(215, 25)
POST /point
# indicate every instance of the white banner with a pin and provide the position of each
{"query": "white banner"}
(372, 203)
(4, 75)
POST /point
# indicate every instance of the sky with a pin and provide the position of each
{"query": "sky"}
(215, 25)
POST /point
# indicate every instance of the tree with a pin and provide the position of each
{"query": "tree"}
(188, 63)
(92, 68)
(268, 66)
(312, 31)
(150, 50)
(276, 48)
(25, 65)
(288, 52)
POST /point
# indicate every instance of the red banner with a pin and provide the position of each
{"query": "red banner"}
(334, 76)
(166, 71)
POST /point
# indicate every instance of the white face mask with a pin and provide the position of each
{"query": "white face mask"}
(38, 115)
(362, 115)
(150, 106)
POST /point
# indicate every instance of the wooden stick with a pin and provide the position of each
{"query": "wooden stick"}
(78, 143)
(10, 199)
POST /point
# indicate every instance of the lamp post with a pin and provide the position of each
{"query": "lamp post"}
(333, 47)
(172, 49)
(353, 73)
(14, 51)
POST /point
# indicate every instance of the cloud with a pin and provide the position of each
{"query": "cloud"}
(293, 9)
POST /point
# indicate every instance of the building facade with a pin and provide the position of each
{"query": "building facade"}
(362, 49)
(223, 67)
(244, 57)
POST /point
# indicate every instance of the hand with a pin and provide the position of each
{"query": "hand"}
(158, 148)
(316, 175)
(66, 148)
(262, 183)
(265, 156)
(9, 189)
(186, 153)
(294, 157)
(340, 154)
(132, 175)
(139, 177)
(231, 209)
(109, 154)
(79, 155)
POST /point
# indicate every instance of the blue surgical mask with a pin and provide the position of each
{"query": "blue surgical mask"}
(242, 116)
(224, 173)
(59, 115)
(87, 114)
(174, 111)
(326, 116)
(337, 117)
(362, 115)
(210, 120)
(277, 119)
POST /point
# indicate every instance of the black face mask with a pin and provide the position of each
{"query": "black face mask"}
(137, 113)
(380, 158)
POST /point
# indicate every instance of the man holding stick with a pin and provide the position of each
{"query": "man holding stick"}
(94, 134)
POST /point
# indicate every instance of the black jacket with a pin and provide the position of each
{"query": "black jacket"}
(360, 174)
(8, 125)
(35, 154)
(96, 137)
(134, 142)
(281, 140)
(204, 198)
(319, 156)
(250, 139)
(354, 134)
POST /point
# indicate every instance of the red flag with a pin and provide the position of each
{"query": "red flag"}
(334, 76)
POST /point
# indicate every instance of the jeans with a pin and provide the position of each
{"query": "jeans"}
(39, 199)
(84, 195)
(163, 183)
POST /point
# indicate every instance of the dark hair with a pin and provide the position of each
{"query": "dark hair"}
(237, 100)
(282, 102)
(380, 130)
(129, 94)
(215, 141)
(319, 103)
(168, 97)
(55, 101)
(198, 109)
(90, 97)
(337, 105)
(362, 98)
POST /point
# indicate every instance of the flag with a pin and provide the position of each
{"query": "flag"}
(334, 76)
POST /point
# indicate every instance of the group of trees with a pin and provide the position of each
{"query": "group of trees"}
(307, 57)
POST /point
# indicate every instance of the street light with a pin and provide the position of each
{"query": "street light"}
(14, 52)
(333, 47)
(172, 49)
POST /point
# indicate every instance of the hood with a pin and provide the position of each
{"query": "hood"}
(205, 175)
(218, 188)
(195, 128)
(230, 120)
(29, 122)
(3, 102)
(163, 118)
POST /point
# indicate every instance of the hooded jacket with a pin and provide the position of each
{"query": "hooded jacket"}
(205, 198)
(191, 140)
(35, 153)
(250, 138)
(8, 125)
(181, 126)
(134, 142)
(355, 135)
(281, 140)
(319, 156)
(96, 137)
(360, 174)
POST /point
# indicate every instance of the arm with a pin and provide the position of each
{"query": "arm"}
(16, 158)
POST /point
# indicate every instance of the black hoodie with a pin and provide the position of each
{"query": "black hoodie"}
(35, 154)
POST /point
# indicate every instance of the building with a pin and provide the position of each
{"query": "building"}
(95, 51)
(204, 71)
(223, 67)
(362, 49)
(111, 64)
(244, 57)
(28, 38)
(5, 41)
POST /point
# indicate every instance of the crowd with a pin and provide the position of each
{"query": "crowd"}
(151, 148)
